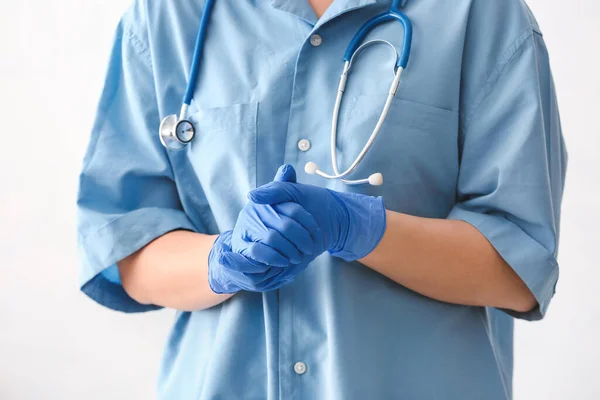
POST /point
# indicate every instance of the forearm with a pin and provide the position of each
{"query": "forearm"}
(449, 261)
(172, 271)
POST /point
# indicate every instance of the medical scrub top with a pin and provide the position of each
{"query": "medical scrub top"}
(473, 135)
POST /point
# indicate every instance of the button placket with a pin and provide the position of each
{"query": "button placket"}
(316, 40)
(290, 349)
(304, 145)
(300, 368)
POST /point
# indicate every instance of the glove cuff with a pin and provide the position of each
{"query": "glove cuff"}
(366, 225)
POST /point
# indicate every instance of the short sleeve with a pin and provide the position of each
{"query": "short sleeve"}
(127, 195)
(513, 164)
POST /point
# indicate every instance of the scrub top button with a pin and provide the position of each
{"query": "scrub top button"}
(316, 40)
(300, 368)
(304, 145)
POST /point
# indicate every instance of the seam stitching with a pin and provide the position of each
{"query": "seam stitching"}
(139, 45)
(507, 57)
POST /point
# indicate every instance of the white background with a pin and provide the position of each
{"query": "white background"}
(57, 344)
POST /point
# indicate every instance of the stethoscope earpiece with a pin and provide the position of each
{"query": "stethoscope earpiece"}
(376, 179)
(311, 168)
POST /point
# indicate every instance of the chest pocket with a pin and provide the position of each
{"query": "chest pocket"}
(417, 143)
(416, 151)
(217, 170)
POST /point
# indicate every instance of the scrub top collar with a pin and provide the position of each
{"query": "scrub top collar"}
(303, 10)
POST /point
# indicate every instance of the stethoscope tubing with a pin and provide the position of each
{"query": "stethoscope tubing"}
(169, 125)
(334, 124)
(198, 50)
(354, 49)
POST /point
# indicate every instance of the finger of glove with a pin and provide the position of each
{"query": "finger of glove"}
(300, 215)
(237, 262)
(253, 282)
(223, 242)
(219, 284)
(263, 254)
(262, 282)
(272, 193)
(275, 282)
(268, 274)
(240, 280)
(288, 227)
(221, 245)
(287, 276)
(286, 173)
(226, 278)
(272, 247)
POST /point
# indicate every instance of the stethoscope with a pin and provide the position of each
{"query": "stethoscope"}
(176, 131)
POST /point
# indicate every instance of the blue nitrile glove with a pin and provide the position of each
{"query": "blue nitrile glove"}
(230, 272)
(350, 225)
(240, 268)
(279, 235)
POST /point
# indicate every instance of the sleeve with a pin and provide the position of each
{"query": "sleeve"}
(127, 195)
(512, 168)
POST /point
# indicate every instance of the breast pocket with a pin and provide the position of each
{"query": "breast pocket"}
(217, 170)
(416, 151)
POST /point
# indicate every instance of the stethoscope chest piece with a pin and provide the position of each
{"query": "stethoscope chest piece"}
(176, 133)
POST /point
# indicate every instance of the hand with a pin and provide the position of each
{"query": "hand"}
(252, 264)
(230, 272)
(278, 235)
(348, 225)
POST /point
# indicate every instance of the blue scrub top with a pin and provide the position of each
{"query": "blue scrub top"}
(473, 134)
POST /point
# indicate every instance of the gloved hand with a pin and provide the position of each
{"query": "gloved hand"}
(231, 270)
(349, 225)
(278, 235)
